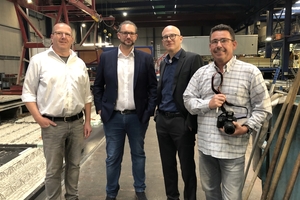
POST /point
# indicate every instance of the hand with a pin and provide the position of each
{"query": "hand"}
(217, 101)
(87, 129)
(44, 122)
(239, 129)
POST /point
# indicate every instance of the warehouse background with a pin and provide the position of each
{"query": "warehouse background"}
(11, 40)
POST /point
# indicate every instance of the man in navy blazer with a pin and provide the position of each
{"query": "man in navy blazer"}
(125, 96)
(105, 88)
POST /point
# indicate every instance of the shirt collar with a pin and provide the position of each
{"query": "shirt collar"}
(228, 66)
(176, 56)
(130, 54)
(72, 53)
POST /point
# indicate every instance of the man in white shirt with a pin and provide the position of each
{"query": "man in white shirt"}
(56, 91)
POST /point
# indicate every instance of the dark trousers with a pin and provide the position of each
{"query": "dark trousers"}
(174, 137)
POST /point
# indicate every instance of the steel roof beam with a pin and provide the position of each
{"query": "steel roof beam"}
(86, 10)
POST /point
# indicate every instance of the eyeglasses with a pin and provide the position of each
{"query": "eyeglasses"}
(222, 40)
(127, 33)
(171, 36)
(60, 34)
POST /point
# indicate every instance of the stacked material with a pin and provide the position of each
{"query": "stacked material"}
(20, 134)
(22, 175)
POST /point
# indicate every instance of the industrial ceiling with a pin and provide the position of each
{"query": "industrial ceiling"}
(157, 13)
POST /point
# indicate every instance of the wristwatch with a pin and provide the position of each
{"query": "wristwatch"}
(250, 130)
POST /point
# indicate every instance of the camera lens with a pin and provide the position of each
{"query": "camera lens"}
(229, 128)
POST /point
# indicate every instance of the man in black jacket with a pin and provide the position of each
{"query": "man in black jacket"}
(175, 127)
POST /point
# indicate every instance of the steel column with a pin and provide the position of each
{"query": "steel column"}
(287, 31)
(269, 31)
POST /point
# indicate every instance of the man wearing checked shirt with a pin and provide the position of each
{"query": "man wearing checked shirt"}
(239, 88)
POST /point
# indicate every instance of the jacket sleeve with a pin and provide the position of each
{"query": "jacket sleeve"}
(99, 83)
(152, 86)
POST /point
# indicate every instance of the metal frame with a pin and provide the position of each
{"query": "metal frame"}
(71, 10)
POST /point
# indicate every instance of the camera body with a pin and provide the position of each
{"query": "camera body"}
(225, 120)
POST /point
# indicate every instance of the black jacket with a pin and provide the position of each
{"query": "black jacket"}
(188, 64)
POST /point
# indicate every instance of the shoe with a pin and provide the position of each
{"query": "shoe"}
(110, 198)
(140, 196)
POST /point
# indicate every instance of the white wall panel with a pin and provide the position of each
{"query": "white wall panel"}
(11, 47)
(8, 15)
(11, 41)
(9, 66)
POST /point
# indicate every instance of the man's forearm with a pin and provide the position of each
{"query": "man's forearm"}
(33, 109)
(87, 112)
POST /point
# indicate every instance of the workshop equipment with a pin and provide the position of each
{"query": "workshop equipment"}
(283, 155)
(284, 112)
(295, 88)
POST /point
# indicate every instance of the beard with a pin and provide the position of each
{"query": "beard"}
(128, 43)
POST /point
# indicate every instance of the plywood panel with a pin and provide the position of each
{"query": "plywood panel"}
(90, 56)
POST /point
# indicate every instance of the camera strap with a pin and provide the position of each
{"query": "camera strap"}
(217, 91)
(223, 109)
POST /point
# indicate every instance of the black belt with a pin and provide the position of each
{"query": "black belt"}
(65, 119)
(126, 112)
(170, 114)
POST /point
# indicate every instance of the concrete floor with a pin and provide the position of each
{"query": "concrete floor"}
(93, 178)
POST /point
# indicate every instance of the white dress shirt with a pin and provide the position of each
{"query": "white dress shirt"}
(125, 100)
(60, 89)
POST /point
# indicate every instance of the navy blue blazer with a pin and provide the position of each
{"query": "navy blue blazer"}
(105, 88)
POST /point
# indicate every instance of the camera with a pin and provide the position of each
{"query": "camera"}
(225, 120)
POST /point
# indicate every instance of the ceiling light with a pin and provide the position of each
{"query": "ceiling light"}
(29, 1)
(124, 14)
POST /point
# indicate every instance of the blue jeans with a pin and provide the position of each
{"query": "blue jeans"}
(115, 132)
(64, 141)
(221, 178)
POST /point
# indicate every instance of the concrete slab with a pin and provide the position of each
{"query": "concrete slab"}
(8, 98)
(92, 181)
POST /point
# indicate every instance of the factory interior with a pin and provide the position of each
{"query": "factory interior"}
(268, 36)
